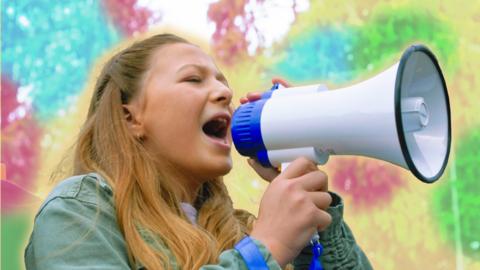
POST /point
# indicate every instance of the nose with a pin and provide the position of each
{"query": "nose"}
(221, 94)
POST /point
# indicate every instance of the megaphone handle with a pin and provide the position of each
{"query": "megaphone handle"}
(317, 248)
(284, 166)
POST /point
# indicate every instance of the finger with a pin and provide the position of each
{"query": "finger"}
(250, 97)
(299, 167)
(322, 200)
(280, 81)
(267, 174)
(243, 100)
(254, 96)
(314, 181)
(324, 219)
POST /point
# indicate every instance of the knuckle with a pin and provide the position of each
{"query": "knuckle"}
(329, 219)
(290, 186)
(324, 200)
(304, 160)
(321, 176)
(325, 221)
(299, 200)
(311, 211)
(329, 199)
(305, 163)
(325, 176)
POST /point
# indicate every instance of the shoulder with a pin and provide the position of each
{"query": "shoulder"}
(76, 227)
(88, 189)
(81, 198)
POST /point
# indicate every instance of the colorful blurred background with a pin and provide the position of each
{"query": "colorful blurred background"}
(52, 50)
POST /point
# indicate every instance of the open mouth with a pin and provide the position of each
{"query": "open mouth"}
(217, 128)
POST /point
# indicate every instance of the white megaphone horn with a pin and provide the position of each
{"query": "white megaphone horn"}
(402, 116)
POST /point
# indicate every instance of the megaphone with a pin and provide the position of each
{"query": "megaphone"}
(401, 116)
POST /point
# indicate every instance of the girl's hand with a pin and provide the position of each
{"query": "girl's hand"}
(252, 96)
(293, 206)
(292, 209)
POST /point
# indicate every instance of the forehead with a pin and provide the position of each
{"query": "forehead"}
(171, 57)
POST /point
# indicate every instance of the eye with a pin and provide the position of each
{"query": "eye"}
(193, 79)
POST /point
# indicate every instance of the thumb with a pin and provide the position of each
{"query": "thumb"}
(267, 174)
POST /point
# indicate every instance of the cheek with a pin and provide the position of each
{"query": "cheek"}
(173, 131)
(174, 127)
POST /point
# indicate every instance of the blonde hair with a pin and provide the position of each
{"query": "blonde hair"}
(145, 197)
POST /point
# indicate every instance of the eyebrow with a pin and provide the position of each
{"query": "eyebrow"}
(219, 75)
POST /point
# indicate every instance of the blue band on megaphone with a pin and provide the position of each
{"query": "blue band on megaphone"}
(246, 130)
(262, 157)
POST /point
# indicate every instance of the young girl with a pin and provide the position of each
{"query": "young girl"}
(147, 190)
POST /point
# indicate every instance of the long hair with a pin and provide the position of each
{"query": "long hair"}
(145, 196)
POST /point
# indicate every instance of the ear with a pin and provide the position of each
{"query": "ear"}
(134, 121)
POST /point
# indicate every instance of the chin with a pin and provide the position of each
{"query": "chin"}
(222, 168)
(225, 168)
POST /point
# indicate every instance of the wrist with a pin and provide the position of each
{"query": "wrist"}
(280, 253)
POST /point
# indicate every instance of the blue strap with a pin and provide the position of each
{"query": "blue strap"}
(250, 254)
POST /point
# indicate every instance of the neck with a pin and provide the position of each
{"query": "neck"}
(185, 186)
(190, 192)
(189, 187)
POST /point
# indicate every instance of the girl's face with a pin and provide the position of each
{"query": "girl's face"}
(184, 112)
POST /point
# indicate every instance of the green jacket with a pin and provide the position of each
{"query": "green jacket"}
(76, 228)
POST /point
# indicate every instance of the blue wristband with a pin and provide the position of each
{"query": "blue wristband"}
(250, 254)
